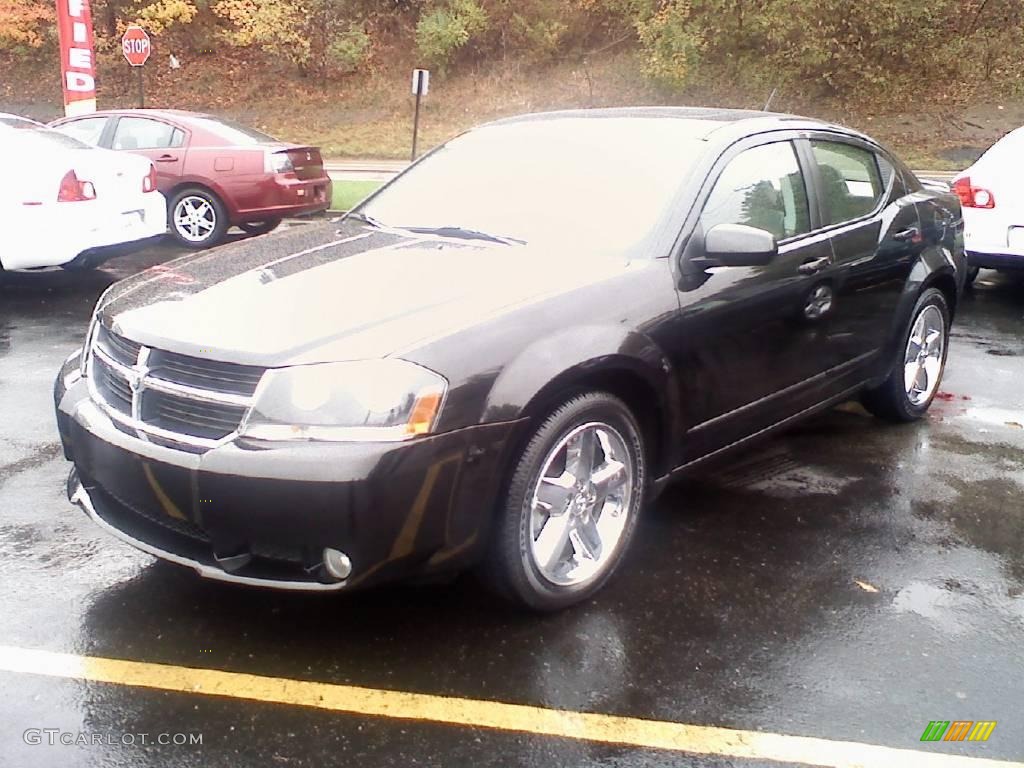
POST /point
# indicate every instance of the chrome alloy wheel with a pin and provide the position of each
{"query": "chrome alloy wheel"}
(194, 218)
(580, 504)
(922, 363)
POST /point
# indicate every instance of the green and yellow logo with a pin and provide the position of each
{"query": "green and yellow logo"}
(958, 730)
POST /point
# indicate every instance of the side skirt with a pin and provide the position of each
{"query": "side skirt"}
(684, 470)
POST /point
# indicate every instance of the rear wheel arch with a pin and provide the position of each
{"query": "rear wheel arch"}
(945, 282)
(924, 275)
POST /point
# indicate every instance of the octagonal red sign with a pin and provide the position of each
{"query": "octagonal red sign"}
(136, 46)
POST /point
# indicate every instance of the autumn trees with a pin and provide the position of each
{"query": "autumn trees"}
(845, 47)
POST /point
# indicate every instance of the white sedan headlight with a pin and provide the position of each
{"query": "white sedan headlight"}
(352, 401)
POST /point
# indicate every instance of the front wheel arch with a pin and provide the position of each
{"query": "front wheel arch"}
(625, 363)
(637, 392)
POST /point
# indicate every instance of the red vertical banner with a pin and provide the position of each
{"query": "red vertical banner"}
(77, 56)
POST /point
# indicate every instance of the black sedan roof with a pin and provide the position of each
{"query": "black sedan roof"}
(695, 122)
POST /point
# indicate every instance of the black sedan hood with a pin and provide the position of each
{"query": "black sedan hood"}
(319, 293)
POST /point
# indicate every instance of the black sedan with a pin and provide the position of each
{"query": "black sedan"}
(501, 357)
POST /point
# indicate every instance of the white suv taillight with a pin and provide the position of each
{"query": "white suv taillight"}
(149, 180)
(277, 162)
(971, 196)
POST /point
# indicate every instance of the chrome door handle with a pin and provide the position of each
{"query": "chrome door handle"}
(811, 266)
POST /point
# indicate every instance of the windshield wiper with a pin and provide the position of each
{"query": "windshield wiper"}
(467, 234)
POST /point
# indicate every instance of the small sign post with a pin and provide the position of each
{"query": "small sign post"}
(420, 88)
(137, 48)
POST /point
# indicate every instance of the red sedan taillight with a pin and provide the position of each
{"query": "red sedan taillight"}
(149, 182)
(277, 162)
(971, 196)
(74, 190)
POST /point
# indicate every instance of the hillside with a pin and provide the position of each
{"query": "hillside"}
(370, 115)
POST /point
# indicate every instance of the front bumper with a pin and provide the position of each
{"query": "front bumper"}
(263, 516)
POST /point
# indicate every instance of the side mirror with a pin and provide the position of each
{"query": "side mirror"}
(737, 245)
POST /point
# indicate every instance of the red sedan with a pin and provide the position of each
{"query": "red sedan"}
(214, 173)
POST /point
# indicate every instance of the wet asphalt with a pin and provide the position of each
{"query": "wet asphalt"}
(849, 580)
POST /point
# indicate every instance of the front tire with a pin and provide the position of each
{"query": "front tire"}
(911, 387)
(197, 218)
(571, 506)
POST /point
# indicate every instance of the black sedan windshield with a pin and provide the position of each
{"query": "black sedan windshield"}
(583, 183)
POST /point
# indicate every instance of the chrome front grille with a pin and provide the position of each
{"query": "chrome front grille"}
(176, 413)
(205, 374)
(167, 396)
(121, 349)
(115, 389)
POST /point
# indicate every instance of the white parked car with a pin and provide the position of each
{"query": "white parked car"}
(8, 120)
(65, 203)
(991, 194)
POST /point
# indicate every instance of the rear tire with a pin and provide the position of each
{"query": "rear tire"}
(571, 506)
(916, 374)
(197, 218)
(972, 275)
(260, 227)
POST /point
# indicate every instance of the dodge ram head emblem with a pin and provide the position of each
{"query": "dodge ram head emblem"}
(134, 379)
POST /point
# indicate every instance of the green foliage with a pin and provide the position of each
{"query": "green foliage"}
(350, 49)
(541, 39)
(850, 50)
(443, 30)
(275, 26)
(672, 43)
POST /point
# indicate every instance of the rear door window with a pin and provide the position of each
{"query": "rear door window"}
(851, 185)
(763, 188)
(88, 129)
(143, 133)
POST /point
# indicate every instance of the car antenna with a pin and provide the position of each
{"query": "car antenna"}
(771, 98)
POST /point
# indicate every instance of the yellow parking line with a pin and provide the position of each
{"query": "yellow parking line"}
(608, 729)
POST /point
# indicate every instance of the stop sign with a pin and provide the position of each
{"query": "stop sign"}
(135, 46)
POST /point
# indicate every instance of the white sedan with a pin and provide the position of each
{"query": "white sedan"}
(991, 193)
(65, 203)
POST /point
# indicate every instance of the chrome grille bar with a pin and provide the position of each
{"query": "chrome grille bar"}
(159, 405)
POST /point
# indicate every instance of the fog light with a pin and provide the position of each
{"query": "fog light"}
(337, 564)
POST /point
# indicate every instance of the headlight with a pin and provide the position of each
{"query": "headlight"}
(363, 400)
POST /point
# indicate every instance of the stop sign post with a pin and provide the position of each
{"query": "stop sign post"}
(137, 48)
